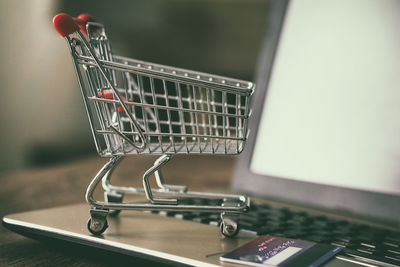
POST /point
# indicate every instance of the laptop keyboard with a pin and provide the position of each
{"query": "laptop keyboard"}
(358, 240)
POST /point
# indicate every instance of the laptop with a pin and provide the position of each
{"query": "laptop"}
(321, 151)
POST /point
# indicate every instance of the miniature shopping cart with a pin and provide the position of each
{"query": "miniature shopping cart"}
(136, 107)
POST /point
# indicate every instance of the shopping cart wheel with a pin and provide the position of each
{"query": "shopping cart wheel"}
(97, 222)
(97, 227)
(229, 225)
(114, 197)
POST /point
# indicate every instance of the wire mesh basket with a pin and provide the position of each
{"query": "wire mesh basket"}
(137, 107)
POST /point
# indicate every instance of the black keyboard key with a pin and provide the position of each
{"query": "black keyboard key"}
(385, 258)
(394, 251)
(366, 250)
(394, 242)
(390, 244)
(340, 243)
(394, 258)
(368, 243)
(344, 239)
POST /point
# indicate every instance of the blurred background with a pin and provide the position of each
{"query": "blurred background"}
(41, 111)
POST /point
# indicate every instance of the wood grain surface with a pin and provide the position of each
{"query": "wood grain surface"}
(65, 184)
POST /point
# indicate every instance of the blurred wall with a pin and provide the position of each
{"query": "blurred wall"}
(41, 111)
(40, 104)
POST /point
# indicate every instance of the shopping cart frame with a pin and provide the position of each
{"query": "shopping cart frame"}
(166, 197)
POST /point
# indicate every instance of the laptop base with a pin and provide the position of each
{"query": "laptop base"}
(139, 234)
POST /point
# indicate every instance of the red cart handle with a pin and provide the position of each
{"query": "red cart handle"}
(66, 25)
(82, 20)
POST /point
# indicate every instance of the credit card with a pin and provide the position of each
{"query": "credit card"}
(270, 250)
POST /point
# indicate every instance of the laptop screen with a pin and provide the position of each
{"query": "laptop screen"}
(331, 115)
(325, 130)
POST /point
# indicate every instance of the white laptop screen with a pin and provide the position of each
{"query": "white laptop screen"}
(332, 111)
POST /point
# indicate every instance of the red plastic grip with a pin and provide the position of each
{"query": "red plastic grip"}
(86, 18)
(64, 24)
(83, 20)
(108, 94)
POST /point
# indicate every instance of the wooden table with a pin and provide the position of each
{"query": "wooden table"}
(65, 184)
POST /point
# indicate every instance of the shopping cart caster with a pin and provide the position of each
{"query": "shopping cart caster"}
(97, 222)
(114, 197)
(229, 224)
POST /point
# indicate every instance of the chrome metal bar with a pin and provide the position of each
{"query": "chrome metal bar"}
(106, 170)
(143, 144)
(242, 207)
(168, 114)
(160, 179)
(187, 123)
(156, 112)
(83, 92)
(216, 126)
(181, 114)
(99, 176)
(142, 99)
(236, 120)
(243, 202)
(226, 117)
(136, 88)
(210, 119)
(196, 118)
(224, 120)
(212, 78)
(224, 84)
(110, 117)
(107, 176)
(98, 106)
(203, 118)
(177, 135)
(191, 106)
(172, 97)
(167, 108)
(158, 164)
